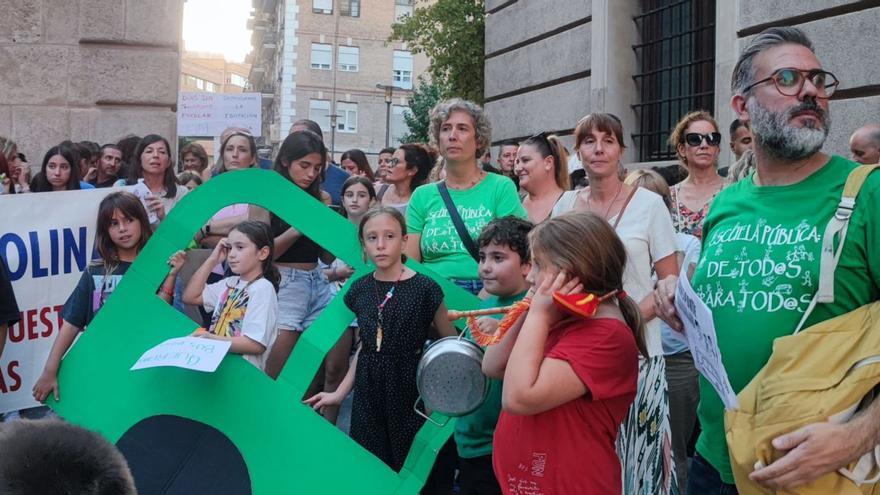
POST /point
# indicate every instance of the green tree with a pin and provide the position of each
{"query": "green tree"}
(451, 34)
(425, 96)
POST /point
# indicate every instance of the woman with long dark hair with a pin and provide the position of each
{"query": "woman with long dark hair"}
(355, 162)
(304, 290)
(408, 169)
(59, 172)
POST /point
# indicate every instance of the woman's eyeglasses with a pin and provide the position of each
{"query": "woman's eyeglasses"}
(393, 161)
(695, 138)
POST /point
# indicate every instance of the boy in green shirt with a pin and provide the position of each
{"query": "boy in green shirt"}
(504, 264)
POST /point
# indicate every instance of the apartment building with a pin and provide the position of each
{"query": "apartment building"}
(212, 73)
(331, 61)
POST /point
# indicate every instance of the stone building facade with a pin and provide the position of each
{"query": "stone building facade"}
(87, 70)
(546, 68)
(323, 60)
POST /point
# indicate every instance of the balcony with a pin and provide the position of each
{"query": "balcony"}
(256, 76)
(269, 45)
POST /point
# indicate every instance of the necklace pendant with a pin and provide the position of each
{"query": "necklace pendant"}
(378, 338)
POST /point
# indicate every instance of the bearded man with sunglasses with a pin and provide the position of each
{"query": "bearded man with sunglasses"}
(761, 249)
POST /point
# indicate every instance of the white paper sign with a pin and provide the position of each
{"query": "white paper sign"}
(194, 353)
(208, 114)
(700, 331)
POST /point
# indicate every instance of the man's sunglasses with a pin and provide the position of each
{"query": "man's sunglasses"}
(695, 138)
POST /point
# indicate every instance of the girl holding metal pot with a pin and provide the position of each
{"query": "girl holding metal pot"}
(395, 308)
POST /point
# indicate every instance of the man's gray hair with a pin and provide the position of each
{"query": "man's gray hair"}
(744, 72)
(482, 128)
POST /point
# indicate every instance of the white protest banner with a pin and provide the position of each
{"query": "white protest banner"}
(194, 353)
(700, 331)
(208, 114)
(47, 240)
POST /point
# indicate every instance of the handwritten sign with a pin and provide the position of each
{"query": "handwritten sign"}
(700, 331)
(208, 114)
(192, 353)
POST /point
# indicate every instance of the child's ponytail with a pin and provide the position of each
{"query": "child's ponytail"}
(633, 317)
(271, 273)
(551, 145)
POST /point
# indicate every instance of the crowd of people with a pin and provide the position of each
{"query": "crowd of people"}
(620, 387)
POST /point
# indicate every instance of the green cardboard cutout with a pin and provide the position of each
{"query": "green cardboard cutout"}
(287, 447)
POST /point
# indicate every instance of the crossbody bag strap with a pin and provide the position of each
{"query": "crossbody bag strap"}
(458, 222)
(623, 208)
(836, 230)
(382, 191)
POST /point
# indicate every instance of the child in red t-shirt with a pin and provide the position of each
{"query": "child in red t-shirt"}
(568, 381)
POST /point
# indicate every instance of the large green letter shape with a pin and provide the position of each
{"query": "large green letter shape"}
(287, 447)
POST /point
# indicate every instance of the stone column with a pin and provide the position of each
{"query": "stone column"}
(88, 70)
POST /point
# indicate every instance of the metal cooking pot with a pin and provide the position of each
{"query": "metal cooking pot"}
(450, 378)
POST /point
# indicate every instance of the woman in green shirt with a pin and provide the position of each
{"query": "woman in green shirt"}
(461, 131)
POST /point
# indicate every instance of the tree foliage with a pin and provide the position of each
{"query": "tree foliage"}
(451, 34)
(425, 96)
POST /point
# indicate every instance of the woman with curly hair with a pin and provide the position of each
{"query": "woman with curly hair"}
(461, 131)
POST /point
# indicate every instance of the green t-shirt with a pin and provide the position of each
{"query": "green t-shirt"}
(442, 250)
(760, 268)
(474, 432)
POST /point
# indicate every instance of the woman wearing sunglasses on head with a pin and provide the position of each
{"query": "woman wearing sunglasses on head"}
(406, 170)
(697, 141)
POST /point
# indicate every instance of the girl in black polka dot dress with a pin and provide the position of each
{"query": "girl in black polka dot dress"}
(395, 307)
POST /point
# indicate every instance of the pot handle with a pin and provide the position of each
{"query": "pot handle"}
(420, 413)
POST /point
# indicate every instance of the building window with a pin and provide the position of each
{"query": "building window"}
(238, 80)
(351, 8)
(676, 69)
(402, 8)
(200, 83)
(403, 66)
(347, 120)
(209, 86)
(399, 129)
(348, 58)
(319, 111)
(322, 56)
(322, 6)
(191, 80)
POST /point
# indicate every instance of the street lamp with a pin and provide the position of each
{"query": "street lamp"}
(389, 94)
(333, 122)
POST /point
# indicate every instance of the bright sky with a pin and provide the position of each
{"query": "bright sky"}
(217, 26)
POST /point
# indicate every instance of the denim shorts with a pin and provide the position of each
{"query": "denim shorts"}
(302, 295)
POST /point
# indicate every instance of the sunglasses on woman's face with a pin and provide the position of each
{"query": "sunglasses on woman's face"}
(695, 138)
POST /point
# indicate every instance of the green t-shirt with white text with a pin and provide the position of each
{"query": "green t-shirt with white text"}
(442, 250)
(760, 268)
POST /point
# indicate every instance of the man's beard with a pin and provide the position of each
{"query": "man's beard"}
(774, 135)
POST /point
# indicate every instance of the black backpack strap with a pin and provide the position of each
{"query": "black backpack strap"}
(458, 222)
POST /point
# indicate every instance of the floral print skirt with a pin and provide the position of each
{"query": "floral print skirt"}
(644, 443)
